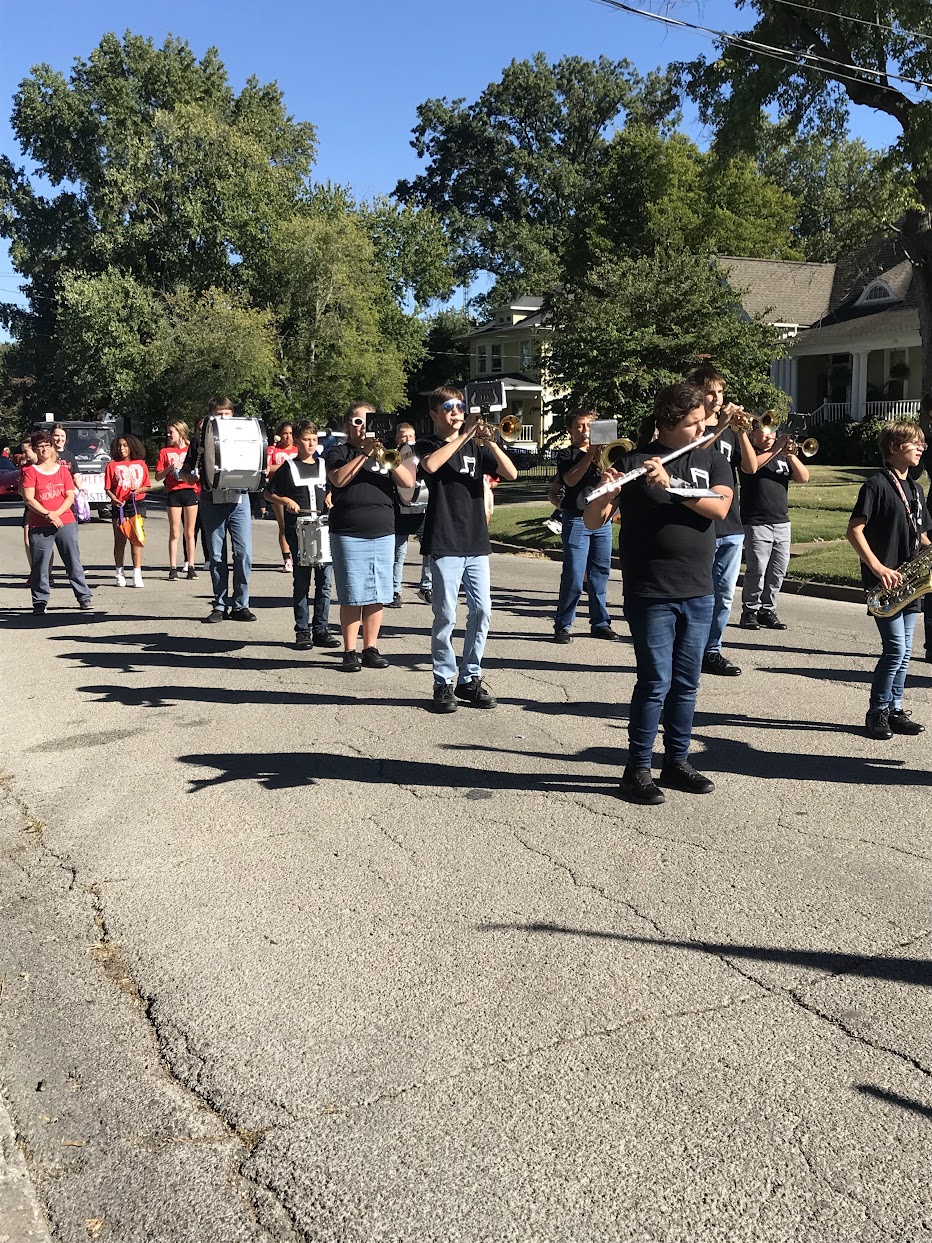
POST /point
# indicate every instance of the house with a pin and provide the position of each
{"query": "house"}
(508, 348)
(851, 330)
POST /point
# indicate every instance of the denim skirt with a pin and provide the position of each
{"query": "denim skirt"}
(362, 569)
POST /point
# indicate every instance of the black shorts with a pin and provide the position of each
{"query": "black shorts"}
(180, 498)
(127, 512)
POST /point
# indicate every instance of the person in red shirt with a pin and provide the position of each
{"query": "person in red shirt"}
(48, 490)
(180, 499)
(126, 482)
(275, 456)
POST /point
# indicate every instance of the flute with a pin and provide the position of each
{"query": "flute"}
(604, 489)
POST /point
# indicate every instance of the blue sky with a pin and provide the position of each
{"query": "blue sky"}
(359, 70)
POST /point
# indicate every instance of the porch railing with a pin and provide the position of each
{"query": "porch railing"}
(905, 408)
(830, 412)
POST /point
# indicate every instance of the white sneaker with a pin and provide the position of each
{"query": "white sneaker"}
(120, 577)
(184, 569)
(137, 578)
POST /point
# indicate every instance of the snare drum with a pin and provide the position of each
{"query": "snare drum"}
(314, 540)
(234, 455)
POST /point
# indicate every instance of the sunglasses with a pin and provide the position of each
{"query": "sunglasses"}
(358, 422)
(453, 405)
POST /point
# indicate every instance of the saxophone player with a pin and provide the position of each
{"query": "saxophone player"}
(889, 524)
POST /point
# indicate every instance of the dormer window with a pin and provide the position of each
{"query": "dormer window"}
(877, 291)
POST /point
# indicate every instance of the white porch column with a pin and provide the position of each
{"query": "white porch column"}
(859, 385)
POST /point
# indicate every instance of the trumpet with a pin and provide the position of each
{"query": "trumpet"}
(806, 448)
(386, 457)
(508, 430)
(610, 453)
(767, 422)
(739, 418)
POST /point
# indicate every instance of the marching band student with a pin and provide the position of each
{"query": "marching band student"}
(408, 523)
(362, 535)
(587, 555)
(282, 451)
(180, 499)
(667, 548)
(300, 487)
(48, 490)
(888, 525)
(736, 448)
(456, 538)
(766, 518)
(126, 480)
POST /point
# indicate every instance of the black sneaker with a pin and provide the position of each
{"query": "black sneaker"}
(215, 615)
(425, 594)
(562, 636)
(682, 776)
(769, 620)
(323, 638)
(605, 632)
(192, 573)
(877, 724)
(351, 662)
(38, 610)
(637, 786)
(715, 662)
(86, 606)
(172, 573)
(444, 699)
(395, 601)
(749, 620)
(900, 723)
(373, 659)
(242, 615)
(303, 641)
(475, 693)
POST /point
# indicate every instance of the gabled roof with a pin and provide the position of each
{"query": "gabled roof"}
(875, 324)
(781, 290)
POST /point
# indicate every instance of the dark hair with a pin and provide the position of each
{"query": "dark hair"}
(581, 412)
(647, 432)
(219, 403)
(357, 405)
(281, 427)
(40, 438)
(304, 427)
(673, 403)
(444, 393)
(704, 375)
(137, 450)
(58, 427)
(925, 404)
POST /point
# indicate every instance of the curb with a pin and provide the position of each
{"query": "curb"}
(793, 586)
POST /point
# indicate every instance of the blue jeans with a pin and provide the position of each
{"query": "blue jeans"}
(896, 636)
(323, 585)
(447, 573)
(217, 522)
(586, 554)
(401, 551)
(669, 639)
(725, 570)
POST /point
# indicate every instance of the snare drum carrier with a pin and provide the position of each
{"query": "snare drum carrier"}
(313, 530)
(412, 501)
(232, 458)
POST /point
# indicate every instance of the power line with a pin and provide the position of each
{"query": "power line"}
(787, 55)
(861, 21)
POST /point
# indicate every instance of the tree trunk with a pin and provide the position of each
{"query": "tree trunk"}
(917, 239)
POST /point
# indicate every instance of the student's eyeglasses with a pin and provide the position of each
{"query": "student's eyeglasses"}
(358, 422)
(453, 405)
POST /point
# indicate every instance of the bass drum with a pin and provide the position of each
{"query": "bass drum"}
(234, 455)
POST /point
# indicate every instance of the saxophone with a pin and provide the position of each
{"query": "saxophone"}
(916, 581)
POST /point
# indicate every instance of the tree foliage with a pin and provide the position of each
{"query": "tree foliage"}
(634, 325)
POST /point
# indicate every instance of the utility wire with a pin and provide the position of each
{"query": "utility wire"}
(788, 55)
(861, 21)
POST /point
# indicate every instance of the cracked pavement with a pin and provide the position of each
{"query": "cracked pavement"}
(288, 959)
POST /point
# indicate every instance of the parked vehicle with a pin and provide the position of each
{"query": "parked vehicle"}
(89, 441)
(9, 480)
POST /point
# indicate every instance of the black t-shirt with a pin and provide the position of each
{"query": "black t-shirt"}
(364, 507)
(887, 527)
(764, 495)
(667, 549)
(729, 446)
(455, 524)
(70, 461)
(566, 460)
(309, 492)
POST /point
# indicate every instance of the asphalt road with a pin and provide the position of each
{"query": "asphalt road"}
(287, 957)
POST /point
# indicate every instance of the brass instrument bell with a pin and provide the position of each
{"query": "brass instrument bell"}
(610, 453)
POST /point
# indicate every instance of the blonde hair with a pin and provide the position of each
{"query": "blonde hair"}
(182, 429)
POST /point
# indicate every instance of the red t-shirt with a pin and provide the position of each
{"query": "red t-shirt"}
(50, 492)
(275, 455)
(172, 458)
(125, 479)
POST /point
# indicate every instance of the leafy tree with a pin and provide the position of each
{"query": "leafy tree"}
(508, 171)
(850, 52)
(634, 325)
(446, 355)
(845, 193)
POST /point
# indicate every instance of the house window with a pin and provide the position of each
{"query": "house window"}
(877, 291)
(524, 355)
(897, 375)
(496, 359)
(480, 360)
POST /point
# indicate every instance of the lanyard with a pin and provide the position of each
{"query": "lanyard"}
(912, 518)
